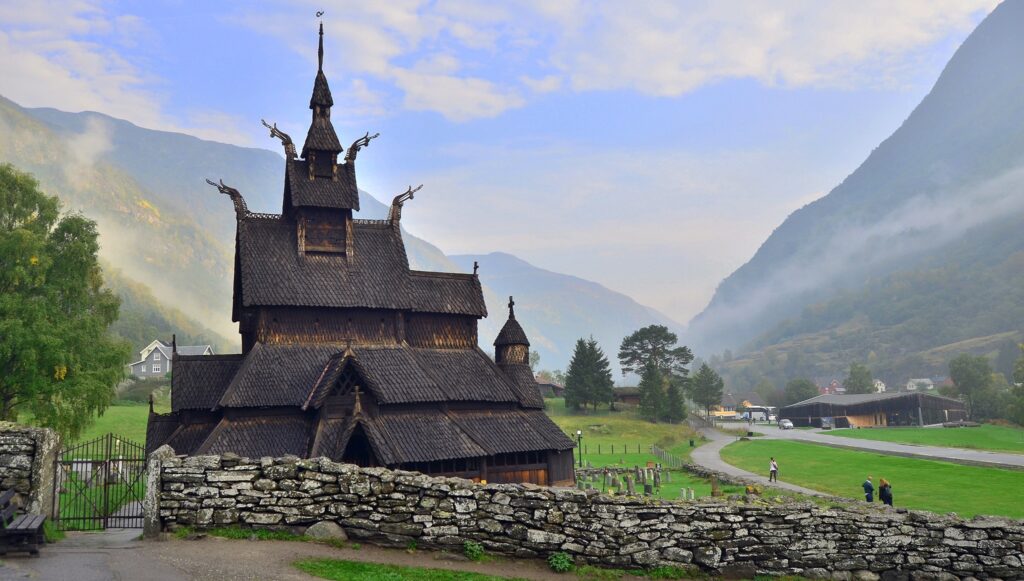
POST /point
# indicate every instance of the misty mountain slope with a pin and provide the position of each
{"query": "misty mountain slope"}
(557, 309)
(174, 166)
(939, 194)
(143, 318)
(141, 232)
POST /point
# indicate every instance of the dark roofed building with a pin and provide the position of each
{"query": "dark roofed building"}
(349, 354)
(874, 409)
(629, 396)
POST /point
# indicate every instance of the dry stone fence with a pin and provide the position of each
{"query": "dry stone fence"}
(836, 540)
(27, 457)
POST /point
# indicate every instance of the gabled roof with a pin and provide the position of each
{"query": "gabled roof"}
(300, 375)
(199, 381)
(860, 398)
(277, 375)
(273, 273)
(266, 436)
(320, 192)
(194, 349)
(447, 292)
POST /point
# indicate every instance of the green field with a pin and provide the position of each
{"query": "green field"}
(985, 437)
(923, 484)
(604, 429)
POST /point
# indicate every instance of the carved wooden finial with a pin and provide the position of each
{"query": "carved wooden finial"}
(358, 144)
(174, 344)
(151, 402)
(357, 409)
(476, 266)
(511, 308)
(395, 215)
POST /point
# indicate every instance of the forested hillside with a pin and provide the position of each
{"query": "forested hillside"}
(915, 256)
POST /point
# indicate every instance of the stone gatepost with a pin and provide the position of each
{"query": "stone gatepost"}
(28, 462)
(151, 526)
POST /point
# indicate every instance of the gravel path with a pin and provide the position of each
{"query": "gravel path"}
(119, 555)
(707, 455)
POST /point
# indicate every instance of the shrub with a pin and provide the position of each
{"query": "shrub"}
(560, 562)
(474, 551)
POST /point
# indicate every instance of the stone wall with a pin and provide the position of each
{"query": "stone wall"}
(838, 540)
(27, 465)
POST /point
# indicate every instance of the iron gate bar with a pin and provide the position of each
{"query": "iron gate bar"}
(100, 484)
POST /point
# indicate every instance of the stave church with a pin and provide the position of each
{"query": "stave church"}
(348, 353)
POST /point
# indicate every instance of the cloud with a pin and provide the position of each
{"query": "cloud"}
(492, 56)
(75, 56)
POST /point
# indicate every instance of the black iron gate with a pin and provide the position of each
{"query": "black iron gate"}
(100, 484)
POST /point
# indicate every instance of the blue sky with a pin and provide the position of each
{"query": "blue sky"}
(649, 146)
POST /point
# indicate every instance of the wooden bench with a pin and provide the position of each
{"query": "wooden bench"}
(19, 532)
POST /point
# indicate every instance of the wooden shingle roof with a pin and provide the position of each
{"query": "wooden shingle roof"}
(320, 192)
(273, 273)
(277, 375)
(506, 431)
(424, 437)
(199, 381)
(447, 293)
(262, 436)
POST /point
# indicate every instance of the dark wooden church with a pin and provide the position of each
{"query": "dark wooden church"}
(349, 354)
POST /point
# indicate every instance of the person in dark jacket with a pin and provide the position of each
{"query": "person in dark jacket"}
(885, 491)
(869, 490)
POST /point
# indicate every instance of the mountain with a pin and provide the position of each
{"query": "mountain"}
(143, 318)
(171, 236)
(557, 309)
(917, 251)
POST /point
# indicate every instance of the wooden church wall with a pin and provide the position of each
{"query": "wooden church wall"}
(441, 331)
(315, 325)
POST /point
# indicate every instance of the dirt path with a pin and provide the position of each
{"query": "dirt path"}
(118, 555)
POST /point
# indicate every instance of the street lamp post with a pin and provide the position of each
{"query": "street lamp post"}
(579, 444)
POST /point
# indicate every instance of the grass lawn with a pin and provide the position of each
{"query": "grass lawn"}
(127, 421)
(604, 429)
(339, 570)
(985, 437)
(923, 484)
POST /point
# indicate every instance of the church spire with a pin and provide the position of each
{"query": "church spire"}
(321, 140)
(320, 52)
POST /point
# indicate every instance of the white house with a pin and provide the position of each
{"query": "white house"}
(879, 386)
(920, 384)
(155, 358)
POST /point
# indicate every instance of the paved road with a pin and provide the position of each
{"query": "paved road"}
(120, 555)
(958, 455)
(707, 455)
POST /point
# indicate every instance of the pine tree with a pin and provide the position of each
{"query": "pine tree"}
(652, 393)
(706, 388)
(576, 377)
(602, 388)
(589, 379)
(675, 409)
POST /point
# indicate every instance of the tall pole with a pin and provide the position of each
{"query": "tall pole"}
(579, 444)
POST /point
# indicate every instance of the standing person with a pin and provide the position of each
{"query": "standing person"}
(773, 470)
(869, 490)
(885, 491)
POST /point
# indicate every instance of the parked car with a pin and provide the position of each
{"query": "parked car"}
(785, 425)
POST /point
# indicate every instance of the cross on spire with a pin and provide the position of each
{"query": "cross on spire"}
(511, 308)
